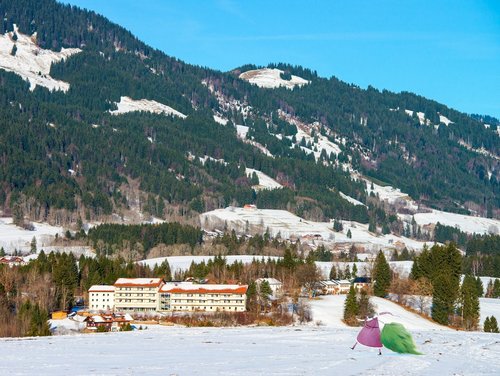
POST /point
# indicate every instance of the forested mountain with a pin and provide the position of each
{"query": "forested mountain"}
(64, 155)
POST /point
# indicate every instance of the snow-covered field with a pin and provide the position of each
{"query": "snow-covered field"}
(128, 104)
(31, 62)
(465, 223)
(14, 237)
(289, 225)
(292, 350)
(183, 262)
(270, 78)
(328, 311)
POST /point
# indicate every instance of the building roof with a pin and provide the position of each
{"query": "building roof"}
(192, 288)
(138, 282)
(362, 280)
(102, 288)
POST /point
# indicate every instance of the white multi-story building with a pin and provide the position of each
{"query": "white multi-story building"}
(187, 296)
(102, 297)
(137, 294)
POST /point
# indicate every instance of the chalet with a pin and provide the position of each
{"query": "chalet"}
(326, 288)
(361, 283)
(137, 294)
(188, 296)
(112, 322)
(102, 297)
(276, 286)
(342, 286)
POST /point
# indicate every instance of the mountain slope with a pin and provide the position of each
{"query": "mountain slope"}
(66, 155)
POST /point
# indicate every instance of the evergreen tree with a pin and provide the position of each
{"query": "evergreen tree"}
(470, 303)
(349, 234)
(442, 301)
(487, 325)
(493, 325)
(351, 308)
(381, 276)
(164, 271)
(33, 245)
(354, 271)
(333, 273)
(479, 286)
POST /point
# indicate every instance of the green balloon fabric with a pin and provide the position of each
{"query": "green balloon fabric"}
(395, 337)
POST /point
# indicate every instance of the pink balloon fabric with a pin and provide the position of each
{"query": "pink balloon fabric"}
(370, 334)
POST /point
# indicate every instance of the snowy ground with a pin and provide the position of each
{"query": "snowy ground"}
(127, 104)
(465, 223)
(14, 237)
(31, 62)
(296, 350)
(270, 78)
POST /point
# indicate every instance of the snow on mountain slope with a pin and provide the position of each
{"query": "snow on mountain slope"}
(421, 117)
(386, 193)
(31, 62)
(265, 181)
(351, 200)
(242, 131)
(270, 78)
(445, 120)
(128, 104)
(465, 223)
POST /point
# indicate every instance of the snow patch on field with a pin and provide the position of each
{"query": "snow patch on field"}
(270, 79)
(128, 104)
(31, 62)
(265, 181)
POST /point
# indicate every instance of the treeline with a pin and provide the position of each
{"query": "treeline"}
(106, 238)
(453, 303)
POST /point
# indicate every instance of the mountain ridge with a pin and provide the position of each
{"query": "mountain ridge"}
(51, 138)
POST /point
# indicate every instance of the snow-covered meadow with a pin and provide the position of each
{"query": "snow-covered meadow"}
(293, 350)
(271, 78)
(14, 237)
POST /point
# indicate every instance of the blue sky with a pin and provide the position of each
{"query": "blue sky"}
(445, 50)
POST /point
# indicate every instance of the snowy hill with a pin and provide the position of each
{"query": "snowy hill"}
(31, 62)
(271, 79)
(288, 225)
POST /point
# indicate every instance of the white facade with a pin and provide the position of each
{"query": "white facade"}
(137, 294)
(102, 297)
(187, 296)
(276, 286)
(342, 286)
